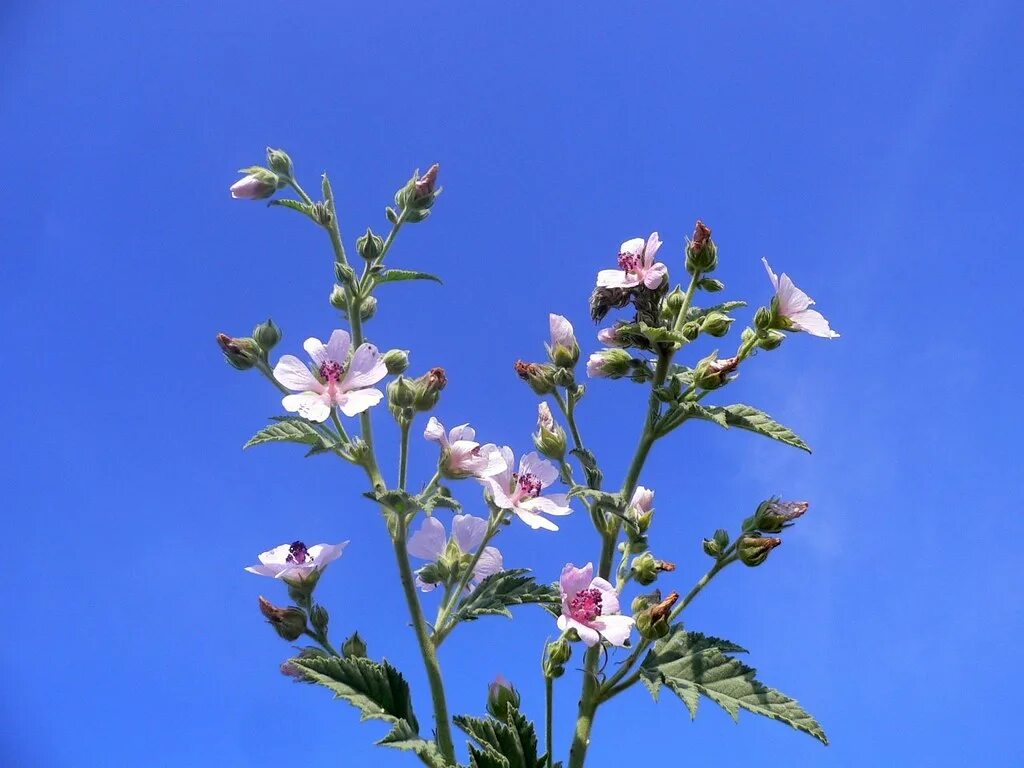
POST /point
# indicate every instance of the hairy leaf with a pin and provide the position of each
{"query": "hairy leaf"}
(400, 275)
(754, 420)
(680, 412)
(696, 313)
(495, 594)
(692, 664)
(513, 741)
(291, 429)
(295, 205)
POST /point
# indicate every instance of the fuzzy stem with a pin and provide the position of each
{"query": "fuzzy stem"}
(549, 729)
(403, 456)
(441, 631)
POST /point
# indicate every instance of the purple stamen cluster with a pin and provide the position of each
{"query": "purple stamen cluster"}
(586, 606)
(529, 485)
(297, 552)
(628, 262)
(331, 371)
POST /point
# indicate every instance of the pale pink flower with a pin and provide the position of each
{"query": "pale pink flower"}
(610, 337)
(430, 542)
(590, 605)
(636, 265)
(295, 562)
(643, 499)
(334, 381)
(252, 187)
(520, 491)
(613, 363)
(561, 332)
(461, 455)
(794, 306)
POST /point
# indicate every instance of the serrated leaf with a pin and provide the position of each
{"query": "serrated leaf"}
(680, 412)
(290, 430)
(295, 205)
(514, 741)
(696, 313)
(499, 591)
(379, 692)
(749, 418)
(692, 664)
(400, 275)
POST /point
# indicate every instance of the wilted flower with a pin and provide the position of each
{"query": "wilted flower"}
(563, 350)
(290, 623)
(241, 353)
(636, 265)
(540, 376)
(608, 364)
(590, 605)
(793, 307)
(773, 515)
(521, 491)
(430, 542)
(295, 562)
(334, 381)
(461, 455)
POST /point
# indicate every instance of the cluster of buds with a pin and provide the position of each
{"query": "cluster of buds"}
(701, 251)
(556, 655)
(647, 567)
(407, 397)
(246, 352)
(653, 615)
(501, 695)
(417, 197)
(549, 438)
(339, 299)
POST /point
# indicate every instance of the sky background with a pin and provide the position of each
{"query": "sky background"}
(872, 150)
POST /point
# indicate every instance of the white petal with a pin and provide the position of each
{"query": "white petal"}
(462, 432)
(262, 570)
(587, 634)
(633, 246)
(338, 346)
(309, 405)
(614, 629)
(545, 505)
(540, 468)
(616, 278)
(353, 403)
(293, 374)
(435, 431)
(534, 520)
(468, 532)
(429, 541)
(495, 461)
(609, 597)
(323, 554)
(367, 368)
(791, 298)
(814, 323)
(561, 331)
(771, 275)
(316, 349)
(276, 556)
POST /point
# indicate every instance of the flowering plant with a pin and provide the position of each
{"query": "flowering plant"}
(639, 638)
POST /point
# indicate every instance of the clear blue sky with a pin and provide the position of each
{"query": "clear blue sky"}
(872, 150)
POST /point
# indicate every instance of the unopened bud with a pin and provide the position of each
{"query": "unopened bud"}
(241, 353)
(354, 647)
(563, 350)
(367, 307)
(280, 163)
(289, 623)
(396, 361)
(701, 251)
(266, 335)
(711, 285)
(753, 548)
(712, 372)
(646, 568)
(550, 437)
(358, 451)
(652, 623)
(425, 184)
(429, 387)
(674, 301)
(643, 602)
(257, 184)
(558, 653)
(501, 695)
(763, 318)
(611, 337)
(339, 300)
(319, 618)
(774, 515)
(609, 364)
(716, 324)
(540, 376)
(690, 330)
(771, 339)
(401, 398)
(370, 245)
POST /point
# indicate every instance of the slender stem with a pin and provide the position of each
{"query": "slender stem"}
(339, 425)
(403, 456)
(549, 696)
(301, 192)
(569, 409)
(443, 628)
(322, 640)
(687, 298)
(427, 650)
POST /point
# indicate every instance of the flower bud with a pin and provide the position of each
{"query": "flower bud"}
(433, 573)
(701, 251)
(501, 695)
(266, 335)
(241, 353)
(674, 301)
(370, 245)
(418, 195)
(563, 350)
(712, 372)
(540, 376)
(771, 339)
(396, 361)
(550, 437)
(367, 307)
(290, 623)
(280, 163)
(319, 617)
(429, 387)
(646, 568)
(753, 548)
(711, 285)
(257, 184)
(609, 364)
(763, 318)
(773, 515)
(558, 653)
(711, 548)
(653, 622)
(643, 602)
(358, 451)
(716, 324)
(611, 337)
(401, 398)
(424, 185)
(354, 647)
(339, 299)
(690, 330)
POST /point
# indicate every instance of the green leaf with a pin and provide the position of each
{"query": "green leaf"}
(753, 420)
(696, 313)
(295, 205)
(512, 744)
(495, 594)
(290, 429)
(680, 412)
(400, 275)
(379, 692)
(692, 664)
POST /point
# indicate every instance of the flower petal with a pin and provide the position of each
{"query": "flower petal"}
(534, 520)
(367, 367)
(771, 275)
(338, 346)
(614, 629)
(561, 331)
(540, 468)
(791, 298)
(434, 431)
(262, 570)
(609, 597)
(293, 374)
(355, 402)
(634, 246)
(309, 405)
(616, 278)
(469, 532)
(651, 250)
(545, 505)
(494, 461)
(588, 635)
(323, 554)
(276, 556)
(429, 541)
(574, 580)
(656, 275)
(462, 432)
(814, 323)
(490, 562)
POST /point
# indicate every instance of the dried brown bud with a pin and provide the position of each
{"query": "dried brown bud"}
(701, 235)
(662, 609)
(425, 184)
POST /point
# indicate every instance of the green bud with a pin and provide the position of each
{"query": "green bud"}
(643, 602)
(370, 245)
(753, 548)
(418, 195)
(712, 372)
(501, 695)
(402, 395)
(773, 515)
(612, 363)
(358, 451)
(257, 184)
(319, 617)
(280, 163)
(241, 353)
(771, 339)
(432, 573)
(674, 301)
(289, 623)
(429, 387)
(396, 361)
(558, 653)
(721, 538)
(716, 324)
(763, 318)
(711, 285)
(646, 568)
(367, 307)
(266, 335)
(711, 548)
(701, 251)
(549, 438)
(690, 330)
(354, 647)
(652, 623)
(540, 376)
(339, 300)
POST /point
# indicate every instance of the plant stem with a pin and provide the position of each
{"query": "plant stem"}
(441, 631)
(427, 650)
(549, 696)
(403, 456)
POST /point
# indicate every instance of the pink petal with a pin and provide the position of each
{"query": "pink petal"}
(293, 374)
(435, 431)
(561, 331)
(540, 468)
(429, 541)
(490, 562)
(338, 346)
(574, 580)
(353, 403)
(462, 432)
(655, 276)
(468, 532)
(813, 322)
(614, 629)
(367, 368)
(791, 298)
(609, 597)
(651, 249)
(323, 554)
(262, 570)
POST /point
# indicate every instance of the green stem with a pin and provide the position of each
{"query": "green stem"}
(442, 628)
(442, 722)
(549, 697)
(322, 641)
(301, 192)
(339, 425)
(403, 456)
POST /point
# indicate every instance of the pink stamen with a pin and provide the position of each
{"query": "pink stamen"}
(528, 486)
(586, 606)
(629, 262)
(297, 553)
(331, 371)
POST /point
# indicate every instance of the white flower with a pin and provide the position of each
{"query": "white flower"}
(295, 562)
(794, 306)
(520, 491)
(636, 265)
(643, 499)
(430, 543)
(461, 455)
(334, 381)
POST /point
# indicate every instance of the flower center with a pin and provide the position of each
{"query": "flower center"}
(586, 606)
(297, 552)
(629, 262)
(529, 486)
(331, 371)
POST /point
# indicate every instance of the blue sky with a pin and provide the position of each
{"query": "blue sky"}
(872, 150)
